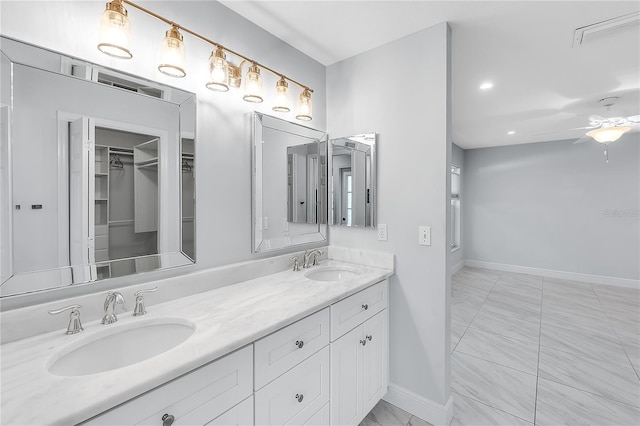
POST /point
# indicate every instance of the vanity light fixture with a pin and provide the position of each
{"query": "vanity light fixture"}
(219, 70)
(305, 107)
(608, 134)
(172, 53)
(282, 96)
(253, 85)
(115, 31)
(114, 41)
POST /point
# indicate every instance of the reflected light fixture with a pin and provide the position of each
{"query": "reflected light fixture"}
(219, 71)
(305, 107)
(486, 85)
(511, 132)
(115, 31)
(282, 96)
(253, 85)
(172, 53)
(114, 41)
(608, 134)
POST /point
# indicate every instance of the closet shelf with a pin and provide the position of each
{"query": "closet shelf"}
(147, 163)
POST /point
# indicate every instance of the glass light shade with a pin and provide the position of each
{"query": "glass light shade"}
(219, 71)
(305, 107)
(115, 31)
(282, 96)
(608, 134)
(253, 85)
(172, 54)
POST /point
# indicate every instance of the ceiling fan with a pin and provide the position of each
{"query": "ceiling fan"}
(606, 130)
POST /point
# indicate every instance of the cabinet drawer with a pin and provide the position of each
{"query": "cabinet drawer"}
(320, 418)
(356, 309)
(195, 398)
(240, 415)
(297, 394)
(286, 348)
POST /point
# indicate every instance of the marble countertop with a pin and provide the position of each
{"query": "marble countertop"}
(226, 318)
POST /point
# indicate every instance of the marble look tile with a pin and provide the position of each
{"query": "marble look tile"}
(589, 344)
(560, 404)
(517, 299)
(387, 414)
(517, 326)
(612, 381)
(456, 334)
(469, 412)
(480, 278)
(624, 323)
(501, 350)
(463, 312)
(577, 321)
(501, 387)
(377, 259)
(522, 310)
(417, 421)
(368, 422)
(469, 294)
(520, 282)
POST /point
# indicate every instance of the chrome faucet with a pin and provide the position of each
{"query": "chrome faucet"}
(140, 309)
(311, 254)
(113, 298)
(75, 326)
(296, 263)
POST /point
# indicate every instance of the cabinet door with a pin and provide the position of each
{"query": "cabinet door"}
(375, 360)
(240, 415)
(297, 394)
(346, 382)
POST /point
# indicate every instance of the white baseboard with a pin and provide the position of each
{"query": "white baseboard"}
(455, 268)
(574, 276)
(426, 409)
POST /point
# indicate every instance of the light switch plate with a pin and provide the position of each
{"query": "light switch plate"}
(382, 232)
(424, 235)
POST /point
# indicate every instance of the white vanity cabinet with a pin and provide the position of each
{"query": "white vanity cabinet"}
(196, 398)
(360, 356)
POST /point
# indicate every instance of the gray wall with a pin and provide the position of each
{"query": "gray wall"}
(223, 133)
(457, 159)
(555, 205)
(413, 176)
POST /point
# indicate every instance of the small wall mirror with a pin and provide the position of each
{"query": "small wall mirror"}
(353, 180)
(97, 172)
(289, 184)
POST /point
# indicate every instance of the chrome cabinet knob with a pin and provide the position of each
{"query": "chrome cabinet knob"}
(299, 397)
(369, 337)
(365, 307)
(299, 344)
(167, 420)
(363, 342)
(75, 325)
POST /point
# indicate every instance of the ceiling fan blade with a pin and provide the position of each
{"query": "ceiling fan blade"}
(597, 118)
(585, 138)
(565, 130)
(634, 118)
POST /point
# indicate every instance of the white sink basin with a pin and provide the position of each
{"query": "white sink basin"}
(330, 273)
(119, 346)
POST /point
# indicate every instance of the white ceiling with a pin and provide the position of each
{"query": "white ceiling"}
(541, 83)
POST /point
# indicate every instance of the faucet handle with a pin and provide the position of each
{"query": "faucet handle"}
(140, 309)
(75, 326)
(296, 263)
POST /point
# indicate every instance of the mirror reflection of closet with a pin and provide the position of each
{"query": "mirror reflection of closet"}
(188, 197)
(126, 199)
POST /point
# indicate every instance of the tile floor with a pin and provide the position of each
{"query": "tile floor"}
(530, 350)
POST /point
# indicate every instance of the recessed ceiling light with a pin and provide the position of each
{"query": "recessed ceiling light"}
(486, 85)
(511, 132)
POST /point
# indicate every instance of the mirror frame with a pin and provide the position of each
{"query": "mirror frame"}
(370, 140)
(278, 124)
(25, 54)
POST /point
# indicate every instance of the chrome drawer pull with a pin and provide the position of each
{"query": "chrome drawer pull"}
(167, 420)
(299, 344)
(299, 397)
(365, 307)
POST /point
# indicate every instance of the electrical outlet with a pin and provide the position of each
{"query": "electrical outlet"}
(382, 232)
(424, 235)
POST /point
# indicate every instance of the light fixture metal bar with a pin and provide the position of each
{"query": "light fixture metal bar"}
(206, 40)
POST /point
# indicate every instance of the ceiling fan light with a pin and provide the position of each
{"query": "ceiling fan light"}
(608, 134)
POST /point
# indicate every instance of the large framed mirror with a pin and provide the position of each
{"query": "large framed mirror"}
(97, 172)
(289, 184)
(353, 180)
